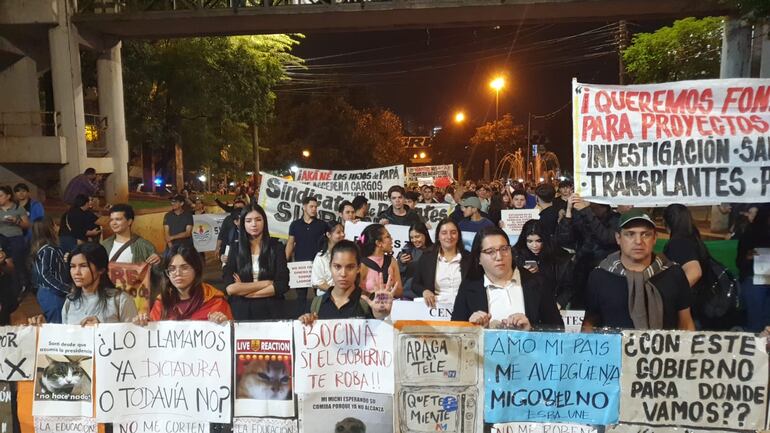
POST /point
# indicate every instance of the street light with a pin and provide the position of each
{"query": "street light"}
(459, 117)
(202, 178)
(306, 153)
(294, 169)
(422, 155)
(497, 84)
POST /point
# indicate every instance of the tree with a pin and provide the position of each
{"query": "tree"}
(689, 49)
(202, 94)
(502, 134)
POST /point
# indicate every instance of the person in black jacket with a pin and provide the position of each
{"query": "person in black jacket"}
(256, 274)
(538, 255)
(497, 294)
(755, 297)
(442, 269)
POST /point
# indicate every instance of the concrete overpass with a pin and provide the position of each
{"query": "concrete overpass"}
(181, 18)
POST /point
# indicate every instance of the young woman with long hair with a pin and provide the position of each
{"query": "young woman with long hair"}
(409, 257)
(442, 269)
(50, 274)
(377, 263)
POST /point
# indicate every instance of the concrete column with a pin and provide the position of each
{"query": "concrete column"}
(68, 92)
(736, 49)
(110, 83)
(764, 40)
(20, 103)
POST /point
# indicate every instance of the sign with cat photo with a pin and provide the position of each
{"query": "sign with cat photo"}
(17, 352)
(64, 372)
(263, 369)
(346, 412)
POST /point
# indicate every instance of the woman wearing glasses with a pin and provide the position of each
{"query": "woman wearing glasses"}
(183, 295)
(497, 294)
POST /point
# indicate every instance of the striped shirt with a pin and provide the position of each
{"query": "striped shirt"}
(51, 270)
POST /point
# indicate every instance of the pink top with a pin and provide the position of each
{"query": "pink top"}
(372, 276)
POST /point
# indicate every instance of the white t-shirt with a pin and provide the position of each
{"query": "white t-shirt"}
(448, 278)
(321, 272)
(504, 301)
(125, 257)
(255, 266)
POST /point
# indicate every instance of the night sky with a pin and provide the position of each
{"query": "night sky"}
(426, 75)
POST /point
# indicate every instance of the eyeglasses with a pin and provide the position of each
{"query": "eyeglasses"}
(503, 250)
(179, 270)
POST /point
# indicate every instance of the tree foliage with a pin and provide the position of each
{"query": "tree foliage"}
(202, 93)
(689, 49)
(503, 133)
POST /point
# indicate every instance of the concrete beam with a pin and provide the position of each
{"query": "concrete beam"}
(30, 12)
(392, 15)
(33, 150)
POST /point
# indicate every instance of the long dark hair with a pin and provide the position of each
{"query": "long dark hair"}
(169, 295)
(96, 257)
(422, 229)
(266, 252)
(460, 244)
(679, 221)
(323, 243)
(476, 271)
(368, 239)
(534, 228)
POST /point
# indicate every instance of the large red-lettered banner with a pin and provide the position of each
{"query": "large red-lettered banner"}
(693, 142)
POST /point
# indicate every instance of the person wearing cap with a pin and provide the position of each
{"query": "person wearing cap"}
(635, 288)
(178, 224)
(472, 220)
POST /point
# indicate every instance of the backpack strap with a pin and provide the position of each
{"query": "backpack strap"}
(315, 306)
(123, 248)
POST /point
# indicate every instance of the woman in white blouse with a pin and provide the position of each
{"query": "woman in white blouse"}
(442, 269)
(321, 276)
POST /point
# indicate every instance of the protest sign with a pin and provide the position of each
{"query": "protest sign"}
(531, 427)
(300, 274)
(635, 428)
(573, 320)
(439, 377)
(64, 375)
(346, 412)
(263, 369)
(265, 425)
(431, 213)
(134, 279)
(50, 424)
(762, 266)
(17, 352)
(173, 370)
(690, 141)
(694, 379)
(6, 408)
(206, 230)
(282, 201)
(373, 183)
(514, 219)
(417, 310)
(551, 377)
(151, 424)
(344, 355)
(428, 174)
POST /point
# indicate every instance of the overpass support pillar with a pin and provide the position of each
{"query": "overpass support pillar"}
(736, 49)
(764, 40)
(110, 84)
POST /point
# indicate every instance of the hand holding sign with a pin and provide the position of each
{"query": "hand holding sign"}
(517, 321)
(481, 318)
(383, 297)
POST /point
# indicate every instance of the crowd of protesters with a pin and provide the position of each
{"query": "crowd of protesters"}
(577, 255)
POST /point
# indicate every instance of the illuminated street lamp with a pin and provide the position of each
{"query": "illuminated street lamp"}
(459, 117)
(497, 84)
(306, 153)
(422, 155)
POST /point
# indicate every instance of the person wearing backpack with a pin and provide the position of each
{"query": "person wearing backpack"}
(377, 259)
(346, 299)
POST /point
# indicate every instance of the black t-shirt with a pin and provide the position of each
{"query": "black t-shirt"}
(307, 238)
(76, 222)
(352, 309)
(178, 224)
(607, 297)
(682, 251)
(549, 219)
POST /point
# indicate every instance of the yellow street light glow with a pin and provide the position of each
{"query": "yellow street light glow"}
(414, 156)
(497, 83)
(306, 153)
(422, 155)
(459, 117)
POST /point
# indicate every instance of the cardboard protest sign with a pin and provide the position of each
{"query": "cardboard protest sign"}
(694, 379)
(17, 352)
(282, 201)
(173, 370)
(6, 408)
(49, 424)
(439, 377)
(573, 320)
(514, 219)
(152, 424)
(134, 279)
(265, 425)
(689, 141)
(64, 376)
(344, 355)
(417, 310)
(373, 183)
(263, 369)
(300, 274)
(551, 377)
(531, 427)
(206, 230)
(346, 412)
(429, 174)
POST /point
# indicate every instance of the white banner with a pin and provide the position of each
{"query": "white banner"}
(263, 369)
(372, 183)
(431, 213)
(344, 355)
(206, 230)
(300, 274)
(173, 370)
(17, 352)
(282, 201)
(696, 142)
(514, 219)
(153, 424)
(65, 371)
(62, 424)
(421, 175)
(694, 379)
(417, 310)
